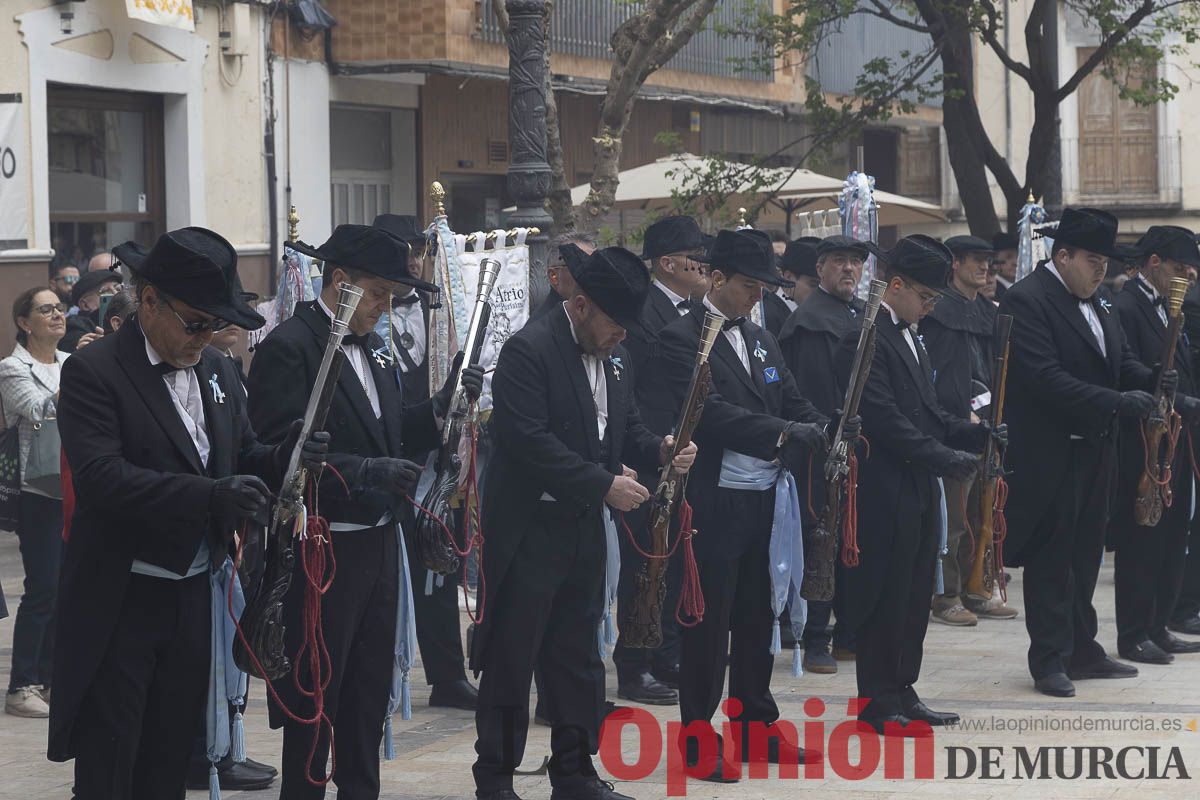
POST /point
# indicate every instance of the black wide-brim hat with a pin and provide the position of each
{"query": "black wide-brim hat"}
(404, 227)
(670, 235)
(1088, 229)
(196, 266)
(919, 257)
(1164, 241)
(617, 281)
(747, 252)
(368, 249)
(800, 257)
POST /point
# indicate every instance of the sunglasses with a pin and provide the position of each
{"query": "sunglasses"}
(196, 328)
(48, 309)
(69, 280)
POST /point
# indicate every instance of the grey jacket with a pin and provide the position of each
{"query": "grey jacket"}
(27, 389)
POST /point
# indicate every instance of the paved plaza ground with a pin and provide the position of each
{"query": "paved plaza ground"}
(978, 672)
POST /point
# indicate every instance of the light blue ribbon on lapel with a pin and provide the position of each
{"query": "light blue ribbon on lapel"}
(606, 632)
(740, 471)
(405, 651)
(939, 580)
(226, 683)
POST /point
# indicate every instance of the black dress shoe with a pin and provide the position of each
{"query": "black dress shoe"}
(231, 776)
(802, 756)
(258, 765)
(1189, 625)
(818, 660)
(897, 725)
(454, 694)
(668, 675)
(1173, 644)
(1056, 685)
(642, 687)
(691, 757)
(595, 789)
(500, 794)
(1103, 668)
(1147, 653)
(920, 711)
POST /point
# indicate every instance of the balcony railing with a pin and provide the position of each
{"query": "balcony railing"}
(584, 28)
(1129, 170)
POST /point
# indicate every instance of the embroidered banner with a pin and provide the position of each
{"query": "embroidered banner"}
(172, 13)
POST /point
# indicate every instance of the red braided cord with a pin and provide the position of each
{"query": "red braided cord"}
(691, 596)
(999, 532)
(1163, 467)
(850, 551)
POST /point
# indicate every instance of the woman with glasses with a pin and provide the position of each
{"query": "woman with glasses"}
(29, 391)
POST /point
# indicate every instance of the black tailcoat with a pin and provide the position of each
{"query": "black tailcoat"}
(810, 340)
(775, 312)
(141, 492)
(281, 377)
(958, 334)
(657, 313)
(910, 435)
(1059, 385)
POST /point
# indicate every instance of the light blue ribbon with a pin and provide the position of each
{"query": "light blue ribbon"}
(939, 580)
(739, 471)
(226, 683)
(606, 633)
(405, 650)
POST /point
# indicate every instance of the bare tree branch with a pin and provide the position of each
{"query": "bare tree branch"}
(1102, 52)
(884, 11)
(993, 41)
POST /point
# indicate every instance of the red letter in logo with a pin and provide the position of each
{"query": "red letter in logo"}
(707, 749)
(649, 745)
(814, 739)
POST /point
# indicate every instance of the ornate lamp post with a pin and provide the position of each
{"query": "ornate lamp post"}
(528, 172)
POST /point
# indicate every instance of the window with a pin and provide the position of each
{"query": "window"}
(106, 171)
(372, 159)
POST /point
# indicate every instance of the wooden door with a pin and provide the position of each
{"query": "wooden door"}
(1118, 140)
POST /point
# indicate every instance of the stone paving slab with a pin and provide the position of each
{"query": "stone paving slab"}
(978, 672)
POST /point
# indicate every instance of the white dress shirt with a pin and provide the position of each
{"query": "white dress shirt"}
(675, 299)
(734, 335)
(357, 359)
(593, 367)
(787, 299)
(410, 319)
(1153, 294)
(1085, 308)
(905, 334)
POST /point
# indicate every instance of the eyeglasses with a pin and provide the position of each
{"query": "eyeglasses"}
(196, 328)
(48, 309)
(69, 280)
(929, 300)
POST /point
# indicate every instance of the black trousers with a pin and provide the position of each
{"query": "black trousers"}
(737, 624)
(359, 618)
(891, 640)
(439, 630)
(137, 722)
(633, 660)
(1148, 570)
(546, 611)
(1188, 603)
(1063, 563)
(39, 532)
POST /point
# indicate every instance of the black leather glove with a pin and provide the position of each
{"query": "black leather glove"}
(472, 381)
(1135, 404)
(999, 434)
(390, 475)
(315, 450)
(240, 497)
(959, 466)
(802, 440)
(852, 428)
(1188, 408)
(1170, 381)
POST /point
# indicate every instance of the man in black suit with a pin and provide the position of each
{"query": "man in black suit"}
(165, 468)
(438, 622)
(913, 442)
(810, 341)
(1071, 374)
(1149, 563)
(797, 265)
(565, 423)
(958, 334)
(362, 495)
(562, 285)
(1004, 262)
(670, 248)
(754, 416)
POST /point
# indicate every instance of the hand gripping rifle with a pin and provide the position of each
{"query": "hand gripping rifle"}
(262, 621)
(821, 547)
(1154, 487)
(642, 626)
(436, 551)
(992, 489)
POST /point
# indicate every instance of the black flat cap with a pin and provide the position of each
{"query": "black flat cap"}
(617, 281)
(958, 245)
(800, 257)
(367, 249)
(197, 266)
(1164, 241)
(831, 244)
(747, 252)
(671, 235)
(1088, 229)
(403, 226)
(919, 257)
(91, 281)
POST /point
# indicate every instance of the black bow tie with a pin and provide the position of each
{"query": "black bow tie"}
(683, 304)
(902, 325)
(408, 300)
(361, 341)
(164, 368)
(1160, 301)
(732, 323)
